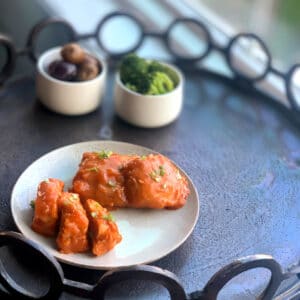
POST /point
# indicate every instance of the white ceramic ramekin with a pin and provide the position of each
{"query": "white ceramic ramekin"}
(69, 98)
(149, 111)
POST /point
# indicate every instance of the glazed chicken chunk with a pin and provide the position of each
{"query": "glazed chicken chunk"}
(103, 231)
(72, 235)
(99, 177)
(46, 207)
(154, 182)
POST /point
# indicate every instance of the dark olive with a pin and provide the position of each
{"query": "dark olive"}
(73, 53)
(62, 70)
(90, 59)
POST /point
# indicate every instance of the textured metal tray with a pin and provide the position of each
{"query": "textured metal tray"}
(241, 150)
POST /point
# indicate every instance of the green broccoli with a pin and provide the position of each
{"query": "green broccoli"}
(145, 77)
(160, 83)
(131, 87)
(131, 68)
(155, 66)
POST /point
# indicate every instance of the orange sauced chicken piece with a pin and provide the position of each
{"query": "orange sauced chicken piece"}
(153, 181)
(46, 207)
(99, 177)
(72, 235)
(103, 230)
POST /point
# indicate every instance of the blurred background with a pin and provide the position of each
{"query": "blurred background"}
(276, 21)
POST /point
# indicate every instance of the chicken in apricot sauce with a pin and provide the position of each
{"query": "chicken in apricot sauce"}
(72, 235)
(80, 219)
(99, 177)
(46, 207)
(154, 182)
(103, 231)
(116, 180)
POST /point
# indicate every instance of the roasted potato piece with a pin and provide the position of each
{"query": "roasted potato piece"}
(46, 211)
(72, 235)
(154, 182)
(103, 231)
(99, 177)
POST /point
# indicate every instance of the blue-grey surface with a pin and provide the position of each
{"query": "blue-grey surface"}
(242, 154)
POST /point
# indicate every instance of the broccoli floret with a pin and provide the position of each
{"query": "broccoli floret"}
(160, 84)
(155, 66)
(141, 85)
(131, 68)
(145, 77)
(131, 87)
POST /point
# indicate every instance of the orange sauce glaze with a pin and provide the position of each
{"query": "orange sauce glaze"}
(101, 179)
(46, 209)
(72, 235)
(103, 231)
(154, 182)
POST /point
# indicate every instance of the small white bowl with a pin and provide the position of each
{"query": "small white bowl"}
(149, 111)
(69, 98)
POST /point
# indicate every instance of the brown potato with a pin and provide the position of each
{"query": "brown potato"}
(73, 53)
(91, 59)
(87, 71)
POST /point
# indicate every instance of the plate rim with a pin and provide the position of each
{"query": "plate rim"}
(95, 267)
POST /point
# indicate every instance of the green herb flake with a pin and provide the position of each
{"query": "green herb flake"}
(154, 176)
(143, 157)
(93, 169)
(108, 217)
(111, 183)
(104, 154)
(162, 171)
(94, 214)
(164, 186)
(73, 197)
(178, 175)
(32, 204)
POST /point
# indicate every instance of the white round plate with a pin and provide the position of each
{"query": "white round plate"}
(147, 234)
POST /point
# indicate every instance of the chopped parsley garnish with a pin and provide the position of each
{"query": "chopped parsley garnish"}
(154, 176)
(93, 169)
(73, 197)
(108, 217)
(32, 204)
(178, 175)
(143, 157)
(157, 174)
(97, 204)
(162, 171)
(94, 214)
(104, 154)
(111, 183)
